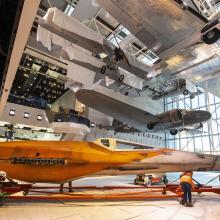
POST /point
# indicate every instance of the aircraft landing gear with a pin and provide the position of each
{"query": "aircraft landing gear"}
(173, 132)
(150, 126)
(211, 37)
(103, 70)
(121, 78)
(185, 92)
(192, 96)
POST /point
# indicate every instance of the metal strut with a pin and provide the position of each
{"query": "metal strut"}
(31, 192)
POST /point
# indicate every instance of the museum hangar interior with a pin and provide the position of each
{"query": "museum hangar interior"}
(132, 74)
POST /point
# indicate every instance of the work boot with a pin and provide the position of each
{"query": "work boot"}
(190, 204)
(185, 204)
(182, 201)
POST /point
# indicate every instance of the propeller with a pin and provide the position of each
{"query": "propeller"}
(119, 50)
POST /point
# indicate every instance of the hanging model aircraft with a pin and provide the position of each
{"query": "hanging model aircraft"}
(174, 88)
(63, 161)
(174, 39)
(119, 127)
(174, 120)
(110, 60)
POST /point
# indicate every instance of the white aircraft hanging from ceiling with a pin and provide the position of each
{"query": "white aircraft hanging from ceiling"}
(174, 120)
(116, 63)
(175, 87)
(174, 40)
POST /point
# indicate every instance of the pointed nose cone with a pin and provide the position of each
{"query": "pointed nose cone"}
(205, 115)
(196, 116)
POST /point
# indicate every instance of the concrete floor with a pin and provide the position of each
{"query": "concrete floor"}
(206, 206)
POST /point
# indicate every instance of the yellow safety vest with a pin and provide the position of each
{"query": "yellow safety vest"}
(186, 179)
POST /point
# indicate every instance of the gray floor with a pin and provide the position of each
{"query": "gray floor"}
(206, 206)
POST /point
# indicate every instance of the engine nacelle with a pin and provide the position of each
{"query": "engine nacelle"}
(119, 54)
(172, 116)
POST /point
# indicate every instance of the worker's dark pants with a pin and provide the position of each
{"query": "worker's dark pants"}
(186, 187)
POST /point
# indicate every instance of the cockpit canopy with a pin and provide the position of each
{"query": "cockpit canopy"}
(115, 144)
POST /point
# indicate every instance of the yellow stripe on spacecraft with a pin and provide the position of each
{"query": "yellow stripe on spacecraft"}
(62, 161)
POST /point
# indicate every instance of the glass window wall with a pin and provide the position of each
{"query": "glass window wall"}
(206, 140)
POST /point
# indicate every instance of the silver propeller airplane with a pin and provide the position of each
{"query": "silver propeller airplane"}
(116, 62)
(119, 127)
(174, 120)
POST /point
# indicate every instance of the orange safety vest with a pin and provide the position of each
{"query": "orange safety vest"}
(186, 179)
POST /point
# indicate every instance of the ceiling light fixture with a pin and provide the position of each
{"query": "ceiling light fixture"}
(26, 115)
(12, 112)
(39, 117)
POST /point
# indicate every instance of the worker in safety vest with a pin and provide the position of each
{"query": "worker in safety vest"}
(187, 184)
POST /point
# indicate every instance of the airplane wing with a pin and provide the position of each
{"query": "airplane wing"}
(162, 25)
(135, 66)
(71, 30)
(79, 34)
(119, 110)
(138, 118)
(88, 62)
(119, 127)
(174, 161)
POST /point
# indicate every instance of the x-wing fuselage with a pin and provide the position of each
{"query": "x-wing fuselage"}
(59, 162)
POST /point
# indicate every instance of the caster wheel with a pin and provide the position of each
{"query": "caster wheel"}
(211, 37)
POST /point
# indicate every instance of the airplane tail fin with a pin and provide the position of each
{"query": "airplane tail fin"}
(98, 78)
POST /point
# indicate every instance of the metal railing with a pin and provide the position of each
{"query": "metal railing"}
(75, 118)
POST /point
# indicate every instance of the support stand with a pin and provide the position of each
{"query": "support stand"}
(31, 192)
